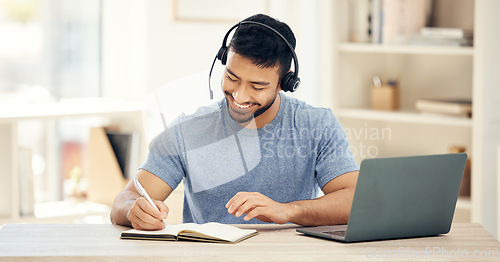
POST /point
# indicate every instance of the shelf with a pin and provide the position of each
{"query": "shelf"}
(404, 117)
(102, 111)
(463, 202)
(405, 49)
(463, 210)
(76, 107)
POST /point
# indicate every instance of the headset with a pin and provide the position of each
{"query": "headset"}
(290, 81)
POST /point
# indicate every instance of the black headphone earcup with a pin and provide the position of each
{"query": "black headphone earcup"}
(290, 83)
(222, 55)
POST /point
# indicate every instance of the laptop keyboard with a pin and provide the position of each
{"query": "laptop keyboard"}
(336, 233)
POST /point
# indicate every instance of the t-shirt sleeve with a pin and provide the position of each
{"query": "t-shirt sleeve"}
(164, 158)
(334, 155)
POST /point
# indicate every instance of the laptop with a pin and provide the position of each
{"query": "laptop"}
(400, 197)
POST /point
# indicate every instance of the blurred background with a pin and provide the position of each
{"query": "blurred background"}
(404, 78)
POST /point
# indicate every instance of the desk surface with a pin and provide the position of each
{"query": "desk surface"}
(66, 242)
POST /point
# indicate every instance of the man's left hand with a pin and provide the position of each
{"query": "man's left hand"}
(259, 206)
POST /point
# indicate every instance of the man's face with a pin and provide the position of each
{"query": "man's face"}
(250, 90)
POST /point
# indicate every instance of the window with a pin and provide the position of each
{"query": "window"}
(49, 50)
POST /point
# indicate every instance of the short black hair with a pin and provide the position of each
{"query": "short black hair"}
(264, 47)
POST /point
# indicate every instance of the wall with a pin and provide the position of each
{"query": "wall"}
(144, 47)
(486, 136)
(124, 48)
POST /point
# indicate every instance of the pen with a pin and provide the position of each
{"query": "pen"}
(143, 193)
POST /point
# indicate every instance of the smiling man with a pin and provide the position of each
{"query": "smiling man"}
(251, 91)
(257, 156)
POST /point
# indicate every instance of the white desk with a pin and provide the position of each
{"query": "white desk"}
(113, 110)
(32, 242)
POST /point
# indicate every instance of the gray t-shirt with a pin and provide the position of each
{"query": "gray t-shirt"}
(290, 159)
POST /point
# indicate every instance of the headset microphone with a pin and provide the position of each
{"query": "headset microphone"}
(209, 76)
(290, 81)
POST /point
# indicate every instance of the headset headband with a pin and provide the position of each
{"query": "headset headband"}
(292, 51)
(291, 77)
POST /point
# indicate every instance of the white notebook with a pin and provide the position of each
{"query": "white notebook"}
(209, 232)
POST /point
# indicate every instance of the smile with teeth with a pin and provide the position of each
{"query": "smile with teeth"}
(241, 106)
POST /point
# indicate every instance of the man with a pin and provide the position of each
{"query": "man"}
(258, 156)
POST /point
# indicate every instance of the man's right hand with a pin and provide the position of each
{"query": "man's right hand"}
(130, 209)
(144, 216)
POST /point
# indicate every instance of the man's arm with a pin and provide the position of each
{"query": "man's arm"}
(130, 209)
(332, 208)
